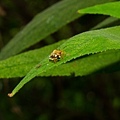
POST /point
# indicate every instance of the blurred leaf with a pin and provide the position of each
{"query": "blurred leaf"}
(111, 9)
(46, 23)
(116, 102)
(105, 23)
(86, 43)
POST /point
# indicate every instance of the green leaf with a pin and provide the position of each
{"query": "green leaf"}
(83, 44)
(112, 9)
(20, 65)
(45, 23)
(96, 63)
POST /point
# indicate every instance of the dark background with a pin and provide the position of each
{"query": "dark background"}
(94, 97)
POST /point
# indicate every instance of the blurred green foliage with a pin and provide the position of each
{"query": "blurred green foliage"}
(94, 97)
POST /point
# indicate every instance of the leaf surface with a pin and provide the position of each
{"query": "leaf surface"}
(111, 9)
(83, 44)
(20, 65)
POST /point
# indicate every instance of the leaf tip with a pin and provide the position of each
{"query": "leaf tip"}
(10, 94)
(78, 11)
(81, 12)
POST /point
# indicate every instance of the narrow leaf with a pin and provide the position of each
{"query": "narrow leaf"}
(111, 9)
(86, 43)
(106, 23)
(45, 23)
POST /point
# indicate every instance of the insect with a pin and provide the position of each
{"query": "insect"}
(56, 55)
